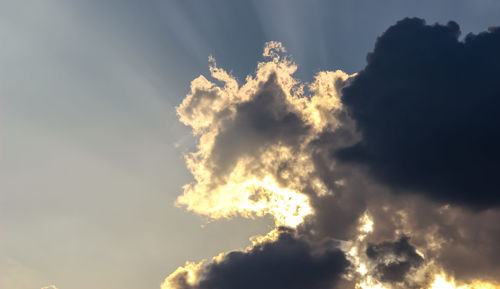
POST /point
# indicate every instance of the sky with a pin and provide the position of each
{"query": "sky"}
(132, 141)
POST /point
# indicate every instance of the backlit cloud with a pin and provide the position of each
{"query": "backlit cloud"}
(302, 153)
(253, 153)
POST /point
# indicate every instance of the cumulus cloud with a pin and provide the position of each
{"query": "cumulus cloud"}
(253, 153)
(427, 107)
(299, 152)
(287, 262)
(255, 157)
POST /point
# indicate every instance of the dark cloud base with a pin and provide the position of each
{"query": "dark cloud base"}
(288, 262)
(428, 108)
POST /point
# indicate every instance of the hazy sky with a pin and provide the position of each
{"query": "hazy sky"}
(91, 146)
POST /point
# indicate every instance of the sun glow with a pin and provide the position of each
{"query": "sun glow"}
(365, 225)
(441, 281)
(287, 206)
(252, 198)
(370, 284)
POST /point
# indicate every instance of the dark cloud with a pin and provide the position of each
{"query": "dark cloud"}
(288, 262)
(395, 259)
(427, 105)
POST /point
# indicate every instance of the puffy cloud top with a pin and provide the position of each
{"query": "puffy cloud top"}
(427, 105)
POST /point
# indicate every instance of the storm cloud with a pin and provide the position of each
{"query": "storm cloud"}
(427, 105)
(287, 262)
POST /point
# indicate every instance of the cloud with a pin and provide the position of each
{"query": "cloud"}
(452, 239)
(427, 107)
(254, 158)
(287, 262)
(271, 146)
(394, 259)
(253, 153)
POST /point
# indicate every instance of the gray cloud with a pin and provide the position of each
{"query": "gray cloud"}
(288, 262)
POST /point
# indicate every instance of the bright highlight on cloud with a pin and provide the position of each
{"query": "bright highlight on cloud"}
(307, 153)
(252, 157)
(442, 282)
